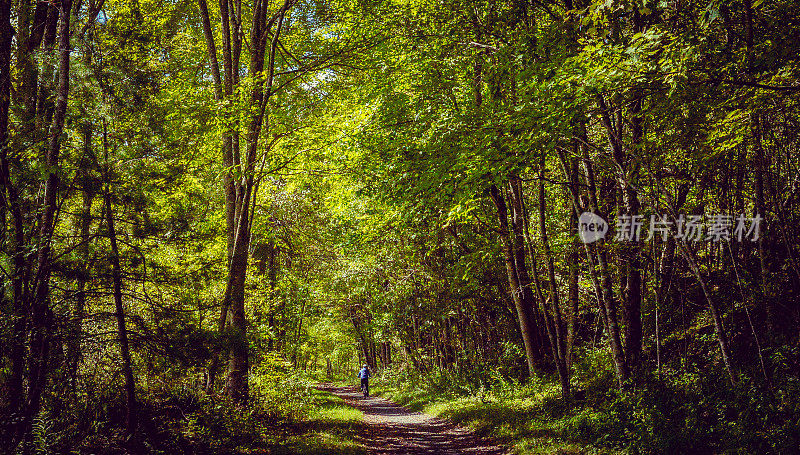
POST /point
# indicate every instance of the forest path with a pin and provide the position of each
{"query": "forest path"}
(391, 429)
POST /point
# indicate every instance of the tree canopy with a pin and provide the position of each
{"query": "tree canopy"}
(207, 206)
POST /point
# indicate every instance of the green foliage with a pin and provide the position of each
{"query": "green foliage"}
(373, 239)
(44, 436)
(680, 413)
(594, 370)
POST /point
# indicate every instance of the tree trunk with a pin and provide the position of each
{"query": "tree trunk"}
(519, 221)
(524, 310)
(557, 336)
(116, 274)
(600, 275)
(573, 263)
(236, 383)
(631, 262)
(763, 269)
(664, 283)
(41, 315)
(82, 250)
(272, 272)
(238, 362)
(12, 348)
(222, 89)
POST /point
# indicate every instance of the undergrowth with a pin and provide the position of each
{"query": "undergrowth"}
(680, 411)
(284, 414)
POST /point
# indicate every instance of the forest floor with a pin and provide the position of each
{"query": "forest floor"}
(391, 429)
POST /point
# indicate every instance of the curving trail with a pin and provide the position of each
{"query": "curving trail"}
(391, 429)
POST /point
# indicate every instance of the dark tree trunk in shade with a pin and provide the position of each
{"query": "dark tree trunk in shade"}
(553, 309)
(131, 413)
(41, 314)
(524, 308)
(598, 265)
(519, 221)
(630, 261)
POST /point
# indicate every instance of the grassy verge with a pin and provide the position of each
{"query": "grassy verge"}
(284, 415)
(329, 428)
(527, 421)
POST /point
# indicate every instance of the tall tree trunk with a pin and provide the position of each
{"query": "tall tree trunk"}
(262, 29)
(272, 272)
(82, 250)
(664, 283)
(760, 209)
(630, 255)
(223, 89)
(557, 335)
(13, 348)
(597, 260)
(518, 224)
(41, 315)
(573, 263)
(122, 333)
(230, 146)
(236, 383)
(524, 311)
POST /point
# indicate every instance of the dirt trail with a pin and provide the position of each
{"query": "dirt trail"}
(391, 429)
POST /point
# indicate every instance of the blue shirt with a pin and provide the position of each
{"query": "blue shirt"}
(364, 373)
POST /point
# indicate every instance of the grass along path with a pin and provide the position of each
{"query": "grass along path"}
(391, 429)
(530, 424)
(331, 428)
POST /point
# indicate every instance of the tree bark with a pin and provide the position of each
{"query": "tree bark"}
(524, 310)
(41, 315)
(223, 89)
(236, 383)
(760, 206)
(630, 255)
(573, 263)
(519, 221)
(664, 282)
(600, 275)
(13, 348)
(233, 311)
(82, 250)
(122, 333)
(557, 336)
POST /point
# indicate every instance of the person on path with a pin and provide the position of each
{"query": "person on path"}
(364, 374)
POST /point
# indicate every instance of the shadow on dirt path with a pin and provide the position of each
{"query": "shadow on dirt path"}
(391, 429)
